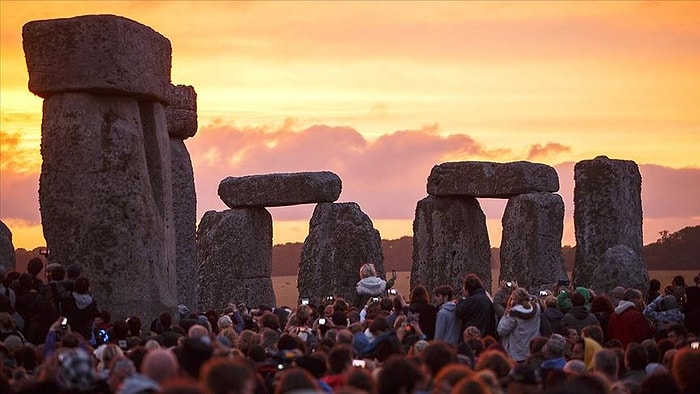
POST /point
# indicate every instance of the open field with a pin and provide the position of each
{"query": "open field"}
(287, 294)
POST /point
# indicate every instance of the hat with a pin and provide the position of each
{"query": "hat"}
(75, 370)
(192, 354)
(563, 302)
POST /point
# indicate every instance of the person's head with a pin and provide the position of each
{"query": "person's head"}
(443, 294)
(472, 282)
(367, 270)
(496, 361)
(678, 280)
(35, 266)
(519, 296)
(303, 315)
(633, 295)
(398, 375)
(571, 335)
(361, 380)
(524, 379)
(677, 334)
(227, 376)
(577, 351)
(536, 344)
(652, 350)
(419, 294)
(296, 379)
(577, 299)
(269, 320)
(134, 323)
(449, 376)
(471, 332)
(685, 368)
(57, 272)
(339, 358)
(605, 361)
(601, 304)
(7, 323)
(555, 347)
(635, 356)
(82, 285)
(654, 285)
(74, 271)
(437, 355)
(593, 331)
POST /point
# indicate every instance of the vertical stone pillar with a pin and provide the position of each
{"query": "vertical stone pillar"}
(607, 212)
(7, 249)
(450, 240)
(181, 115)
(105, 190)
(341, 239)
(235, 258)
(531, 253)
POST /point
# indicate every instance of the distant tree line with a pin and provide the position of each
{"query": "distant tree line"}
(673, 251)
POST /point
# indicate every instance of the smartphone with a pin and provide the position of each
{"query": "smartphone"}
(359, 363)
(64, 324)
(543, 293)
(695, 345)
(509, 284)
(391, 291)
(375, 299)
(305, 301)
(321, 321)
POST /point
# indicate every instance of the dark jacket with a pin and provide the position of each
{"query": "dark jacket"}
(477, 310)
(550, 321)
(578, 318)
(81, 310)
(426, 317)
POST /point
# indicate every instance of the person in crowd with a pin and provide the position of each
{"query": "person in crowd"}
(692, 306)
(447, 325)
(370, 285)
(602, 308)
(519, 324)
(678, 290)
(678, 335)
(663, 312)
(578, 317)
(500, 299)
(584, 350)
(605, 362)
(222, 376)
(550, 321)
(685, 370)
(476, 308)
(80, 308)
(427, 313)
(635, 364)
(627, 324)
(595, 332)
(654, 288)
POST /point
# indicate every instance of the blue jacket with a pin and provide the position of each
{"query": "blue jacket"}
(448, 327)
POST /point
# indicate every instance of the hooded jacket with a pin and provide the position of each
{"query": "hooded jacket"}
(664, 318)
(371, 286)
(447, 326)
(578, 318)
(628, 324)
(517, 327)
(80, 309)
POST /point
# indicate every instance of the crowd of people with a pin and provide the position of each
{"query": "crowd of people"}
(564, 339)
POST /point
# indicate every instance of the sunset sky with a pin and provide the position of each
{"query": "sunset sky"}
(379, 92)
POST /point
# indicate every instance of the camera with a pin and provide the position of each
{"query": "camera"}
(305, 301)
(695, 345)
(102, 334)
(543, 293)
(509, 284)
(321, 321)
(330, 298)
(391, 291)
(375, 299)
(64, 324)
(358, 363)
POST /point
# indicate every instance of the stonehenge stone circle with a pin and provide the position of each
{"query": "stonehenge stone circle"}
(531, 254)
(234, 258)
(7, 249)
(181, 111)
(105, 189)
(607, 212)
(341, 239)
(620, 266)
(99, 54)
(275, 190)
(491, 180)
(450, 240)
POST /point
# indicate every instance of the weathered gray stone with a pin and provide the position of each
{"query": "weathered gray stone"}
(450, 240)
(106, 199)
(7, 249)
(491, 180)
(234, 258)
(341, 239)
(531, 241)
(620, 266)
(274, 190)
(607, 212)
(182, 111)
(185, 216)
(100, 54)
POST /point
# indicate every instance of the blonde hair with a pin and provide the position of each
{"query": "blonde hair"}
(520, 296)
(367, 270)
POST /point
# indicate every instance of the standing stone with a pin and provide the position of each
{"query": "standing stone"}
(185, 216)
(275, 190)
(234, 258)
(531, 243)
(182, 111)
(106, 199)
(100, 54)
(341, 239)
(607, 212)
(450, 240)
(7, 249)
(620, 266)
(491, 180)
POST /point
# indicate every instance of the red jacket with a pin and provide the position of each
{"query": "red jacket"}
(628, 324)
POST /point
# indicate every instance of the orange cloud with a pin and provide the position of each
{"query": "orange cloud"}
(551, 149)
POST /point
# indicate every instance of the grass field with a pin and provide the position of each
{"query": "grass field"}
(287, 294)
